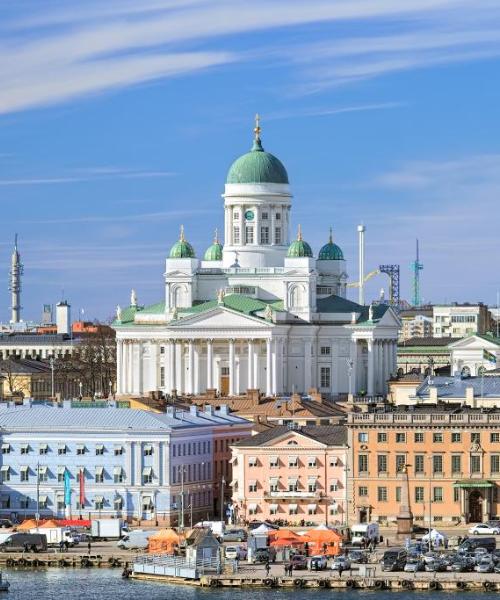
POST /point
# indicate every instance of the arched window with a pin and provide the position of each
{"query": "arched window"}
(296, 296)
(465, 371)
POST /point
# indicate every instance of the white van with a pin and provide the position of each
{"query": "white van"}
(135, 540)
(369, 532)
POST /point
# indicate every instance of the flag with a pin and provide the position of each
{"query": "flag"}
(67, 488)
(489, 356)
(82, 488)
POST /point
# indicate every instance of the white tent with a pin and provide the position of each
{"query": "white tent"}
(436, 537)
(261, 530)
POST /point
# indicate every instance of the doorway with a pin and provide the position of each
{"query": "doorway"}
(224, 381)
(363, 515)
(475, 507)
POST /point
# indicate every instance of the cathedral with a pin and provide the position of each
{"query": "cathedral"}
(258, 311)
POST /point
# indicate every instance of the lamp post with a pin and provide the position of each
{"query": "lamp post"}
(110, 388)
(80, 385)
(223, 482)
(52, 376)
(430, 503)
(182, 497)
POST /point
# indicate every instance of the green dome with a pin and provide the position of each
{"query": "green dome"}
(214, 252)
(299, 248)
(257, 166)
(330, 251)
(182, 248)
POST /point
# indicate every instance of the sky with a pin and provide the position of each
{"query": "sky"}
(120, 119)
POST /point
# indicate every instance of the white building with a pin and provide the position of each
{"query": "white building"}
(475, 354)
(259, 312)
(459, 320)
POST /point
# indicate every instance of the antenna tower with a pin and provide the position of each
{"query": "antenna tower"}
(417, 266)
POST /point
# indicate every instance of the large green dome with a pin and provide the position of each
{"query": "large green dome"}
(299, 248)
(257, 166)
(330, 251)
(182, 248)
(214, 252)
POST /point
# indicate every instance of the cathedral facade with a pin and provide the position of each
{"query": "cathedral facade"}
(257, 312)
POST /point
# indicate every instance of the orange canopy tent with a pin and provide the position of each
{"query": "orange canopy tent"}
(323, 541)
(163, 542)
(49, 523)
(28, 524)
(285, 537)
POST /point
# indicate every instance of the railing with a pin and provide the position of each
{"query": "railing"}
(176, 566)
(462, 419)
(289, 494)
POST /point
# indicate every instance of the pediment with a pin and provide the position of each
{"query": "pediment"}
(473, 342)
(294, 440)
(220, 318)
(389, 319)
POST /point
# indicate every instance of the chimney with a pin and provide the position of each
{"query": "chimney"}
(433, 394)
(209, 409)
(254, 396)
(193, 410)
(223, 410)
(469, 397)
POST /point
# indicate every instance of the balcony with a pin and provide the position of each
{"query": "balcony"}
(293, 495)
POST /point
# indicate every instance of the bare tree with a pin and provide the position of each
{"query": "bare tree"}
(17, 383)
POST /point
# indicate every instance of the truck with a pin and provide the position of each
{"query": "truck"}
(56, 535)
(106, 529)
(137, 539)
(217, 527)
(367, 532)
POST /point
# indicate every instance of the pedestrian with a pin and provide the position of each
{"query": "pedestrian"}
(61, 546)
(287, 568)
(341, 568)
(291, 570)
(268, 568)
(89, 546)
(66, 545)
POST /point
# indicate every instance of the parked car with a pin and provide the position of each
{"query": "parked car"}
(494, 523)
(413, 565)
(394, 559)
(484, 528)
(137, 539)
(435, 565)
(232, 552)
(235, 535)
(341, 562)
(462, 565)
(6, 524)
(17, 542)
(358, 557)
(485, 565)
(318, 563)
(470, 544)
(420, 529)
(298, 561)
(263, 555)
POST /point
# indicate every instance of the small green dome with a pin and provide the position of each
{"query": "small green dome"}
(330, 251)
(214, 252)
(182, 248)
(257, 166)
(299, 248)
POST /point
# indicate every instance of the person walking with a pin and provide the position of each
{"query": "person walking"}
(287, 568)
(341, 568)
(89, 546)
(290, 570)
(268, 568)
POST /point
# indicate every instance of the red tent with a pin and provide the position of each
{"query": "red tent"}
(323, 541)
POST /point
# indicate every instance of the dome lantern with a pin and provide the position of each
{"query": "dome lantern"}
(182, 248)
(214, 252)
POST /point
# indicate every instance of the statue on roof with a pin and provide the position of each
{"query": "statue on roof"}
(370, 313)
(268, 313)
(220, 296)
(133, 298)
(118, 313)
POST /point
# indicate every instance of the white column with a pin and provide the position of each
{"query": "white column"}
(171, 365)
(156, 462)
(249, 364)
(190, 385)
(153, 366)
(138, 463)
(119, 367)
(307, 366)
(354, 371)
(394, 356)
(371, 374)
(256, 364)
(166, 463)
(284, 358)
(196, 368)
(139, 384)
(231, 368)
(274, 378)
(269, 379)
(210, 366)
(179, 367)
(256, 237)
(272, 224)
(130, 366)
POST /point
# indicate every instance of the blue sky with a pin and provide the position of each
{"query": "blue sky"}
(119, 120)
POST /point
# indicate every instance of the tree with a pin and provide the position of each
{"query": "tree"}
(16, 382)
(93, 363)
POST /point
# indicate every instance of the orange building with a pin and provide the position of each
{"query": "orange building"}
(452, 454)
(293, 475)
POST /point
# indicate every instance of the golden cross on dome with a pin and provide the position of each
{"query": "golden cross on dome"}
(216, 237)
(182, 238)
(331, 235)
(257, 129)
(299, 233)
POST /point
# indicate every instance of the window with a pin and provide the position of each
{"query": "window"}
(311, 509)
(162, 376)
(62, 449)
(419, 463)
(456, 437)
(5, 502)
(277, 235)
(437, 494)
(363, 491)
(25, 449)
(60, 474)
(80, 449)
(273, 485)
(25, 474)
(24, 503)
(437, 438)
(381, 438)
(99, 450)
(278, 216)
(43, 449)
(293, 510)
(456, 463)
(334, 461)
(475, 437)
(363, 437)
(236, 235)
(437, 463)
(475, 464)
(293, 485)
(334, 486)
(252, 486)
(311, 485)
(249, 234)
(363, 463)
(400, 438)
(252, 509)
(43, 474)
(382, 494)
(325, 377)
(5, 448)
(400, 462)
(398, 494)
(118, 475)
(274, 462)
(98, 503)
(419, 437)
(264, 235)
(325, 350)
(273, 509)
(494, 438)
(265, 216)
(293, 461)
(382, 463)
(43, 501)
(148, 450)
(118, 502)
(419, 494)
(99, 475)
(495, 463)
(236, 215)
(119, 450)
(312, 462)
(147, 475)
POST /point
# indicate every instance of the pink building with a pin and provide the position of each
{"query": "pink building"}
(294, 475)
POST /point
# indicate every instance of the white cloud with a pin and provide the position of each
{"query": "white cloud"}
(90, 174)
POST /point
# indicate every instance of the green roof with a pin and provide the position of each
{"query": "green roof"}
(237, 302)
(473, 483)
(128, 314)
(330, 251)
(337, 304)
(182, 249)
(214, 252)
(257, 166)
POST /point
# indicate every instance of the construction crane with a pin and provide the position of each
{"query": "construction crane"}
(392, 271)
(416, 266)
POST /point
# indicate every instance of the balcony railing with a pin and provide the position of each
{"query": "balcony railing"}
(297, 494)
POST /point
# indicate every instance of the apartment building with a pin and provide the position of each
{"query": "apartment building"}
(458, 320)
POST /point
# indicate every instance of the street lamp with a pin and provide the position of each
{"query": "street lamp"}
(223, 482)
(430, 502)
(80, 385)
(52, 375)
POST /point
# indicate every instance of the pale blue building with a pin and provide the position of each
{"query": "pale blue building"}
(133, 463)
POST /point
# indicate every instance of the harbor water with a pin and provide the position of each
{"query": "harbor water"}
(107, 584)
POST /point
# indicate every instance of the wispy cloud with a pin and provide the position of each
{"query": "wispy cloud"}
(62, 53)
(328, 112)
